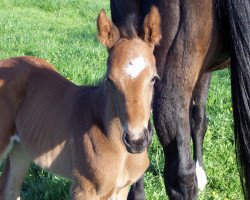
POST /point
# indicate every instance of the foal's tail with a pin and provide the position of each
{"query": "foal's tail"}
(238, 12)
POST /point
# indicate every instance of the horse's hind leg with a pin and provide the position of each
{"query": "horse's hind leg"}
(199, 126)
(15, 170)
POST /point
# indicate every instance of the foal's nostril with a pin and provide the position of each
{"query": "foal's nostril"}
(126, 138)
(137, 145)
(146, 132)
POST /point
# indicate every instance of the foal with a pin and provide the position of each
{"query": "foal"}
(95, 136)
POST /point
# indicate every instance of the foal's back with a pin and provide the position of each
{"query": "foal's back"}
(32, 95)
(14, 75)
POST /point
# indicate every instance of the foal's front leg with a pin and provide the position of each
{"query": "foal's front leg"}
(78, 194)
(82, 189)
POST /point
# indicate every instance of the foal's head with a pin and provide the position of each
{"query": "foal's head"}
(131, 75)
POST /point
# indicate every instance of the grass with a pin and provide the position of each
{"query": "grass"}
(64, 33)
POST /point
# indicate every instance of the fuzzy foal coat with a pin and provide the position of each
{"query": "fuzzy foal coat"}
(71, 149)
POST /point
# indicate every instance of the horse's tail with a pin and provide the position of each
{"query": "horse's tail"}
(238, 12)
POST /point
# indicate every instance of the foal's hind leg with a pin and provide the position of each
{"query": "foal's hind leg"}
(7, 126)
(15, 170)
(5, 141)
(199, 126)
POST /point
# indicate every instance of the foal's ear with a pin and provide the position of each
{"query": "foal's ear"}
(152, 27)
(108, 33)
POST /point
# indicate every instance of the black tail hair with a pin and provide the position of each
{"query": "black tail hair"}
(238, 12)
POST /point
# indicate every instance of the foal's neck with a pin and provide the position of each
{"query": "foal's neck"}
(99, 103)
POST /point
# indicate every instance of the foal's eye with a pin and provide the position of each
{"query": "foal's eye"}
(154, 79)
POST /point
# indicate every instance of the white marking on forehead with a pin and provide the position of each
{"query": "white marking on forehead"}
(135, 67)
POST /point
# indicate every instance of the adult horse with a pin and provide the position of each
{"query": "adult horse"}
(95, 136)
(196, 35)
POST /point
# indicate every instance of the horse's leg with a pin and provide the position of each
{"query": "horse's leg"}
(136, 191)
(179, 170)
(199, 126)
(15, 170)
(171, 109)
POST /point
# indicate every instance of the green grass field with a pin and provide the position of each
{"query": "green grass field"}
(64, 33)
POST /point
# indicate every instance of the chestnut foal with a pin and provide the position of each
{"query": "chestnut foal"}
(95, 136)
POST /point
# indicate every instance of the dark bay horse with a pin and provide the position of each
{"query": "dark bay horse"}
(196, 36)
(95, 136)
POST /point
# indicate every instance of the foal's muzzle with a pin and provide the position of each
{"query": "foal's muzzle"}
(140, 144)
